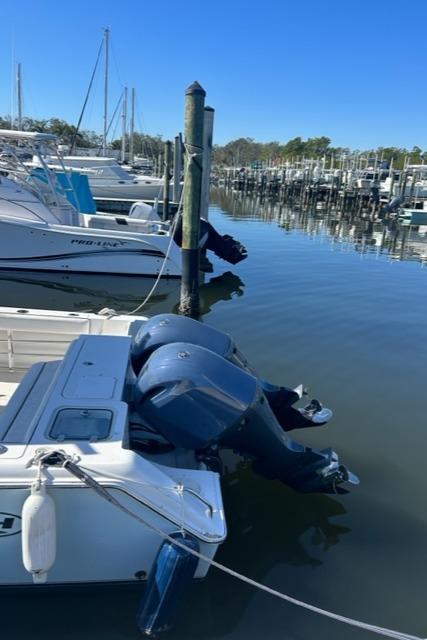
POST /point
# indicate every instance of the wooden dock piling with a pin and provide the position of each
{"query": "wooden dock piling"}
(177, 168)
(208, 123)
(194, 121)
(166, 180)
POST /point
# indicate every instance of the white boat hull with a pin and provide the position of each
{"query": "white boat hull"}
(60, 248)
(95, 541)
(124, 190)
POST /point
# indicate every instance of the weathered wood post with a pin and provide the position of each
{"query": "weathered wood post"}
(391, 174)
(403, 183)
(177, 168)
(207, 160)
(194, 118)
(166, 179)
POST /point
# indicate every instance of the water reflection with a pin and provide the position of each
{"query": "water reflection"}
(306, 309)
(224, 287)
(253, 519)
(92, 292)
(269, 525)
(344, 230)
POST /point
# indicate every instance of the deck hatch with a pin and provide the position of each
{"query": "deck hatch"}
(81, 424)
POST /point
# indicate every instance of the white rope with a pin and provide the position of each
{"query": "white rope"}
(77, 471)
(389, 633)
(172, 234)
(162, 268)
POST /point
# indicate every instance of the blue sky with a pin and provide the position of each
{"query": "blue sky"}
(353, 70)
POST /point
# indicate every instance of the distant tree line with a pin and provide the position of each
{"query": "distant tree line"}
(240, 152)
(246, 152)
(65, 131)
(144, 145)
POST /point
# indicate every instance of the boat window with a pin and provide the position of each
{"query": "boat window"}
(81, 424)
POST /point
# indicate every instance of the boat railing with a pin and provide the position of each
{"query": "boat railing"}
(14, 152)
(181, 488)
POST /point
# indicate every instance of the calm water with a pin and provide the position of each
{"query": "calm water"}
(339, 305)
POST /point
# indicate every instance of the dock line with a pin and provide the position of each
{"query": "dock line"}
(58, 457)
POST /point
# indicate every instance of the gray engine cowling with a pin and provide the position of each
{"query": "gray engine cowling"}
(167, 328)
(191, 395)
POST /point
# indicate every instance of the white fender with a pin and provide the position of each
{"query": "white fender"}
(38, 533)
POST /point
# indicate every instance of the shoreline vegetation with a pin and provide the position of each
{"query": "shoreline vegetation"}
(239, 152)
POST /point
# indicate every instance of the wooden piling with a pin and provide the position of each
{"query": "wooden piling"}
(207, 160)
(194, 119)
(177, 168)
(166, 179)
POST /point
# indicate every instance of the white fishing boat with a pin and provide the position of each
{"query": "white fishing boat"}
(108, 179)
(42, 227)
(42, 230)
(52, 528)
(110, 456)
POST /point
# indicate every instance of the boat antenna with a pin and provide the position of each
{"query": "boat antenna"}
(132, 126)
(12, 84)
(106, 50)
(76, 132)
(124, 123)
(19, 95)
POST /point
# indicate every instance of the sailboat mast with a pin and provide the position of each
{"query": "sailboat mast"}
(124, 123)
(19, 95)
(132, 126)
(106, 51)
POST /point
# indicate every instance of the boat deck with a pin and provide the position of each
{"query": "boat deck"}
(9, 382)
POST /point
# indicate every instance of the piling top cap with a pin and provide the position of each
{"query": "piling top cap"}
(195, 89)
(209, 109)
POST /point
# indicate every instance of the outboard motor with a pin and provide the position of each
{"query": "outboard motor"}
(199, 400)
(168, 328)
(225, 247)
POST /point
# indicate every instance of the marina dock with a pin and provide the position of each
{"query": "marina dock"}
(213, 252)
(310, 183)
